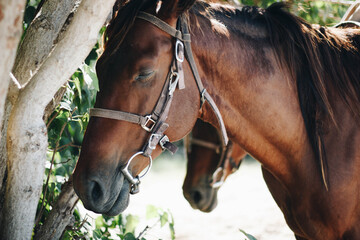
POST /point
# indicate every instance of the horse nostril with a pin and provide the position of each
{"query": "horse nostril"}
(96, 192)
(196, 195)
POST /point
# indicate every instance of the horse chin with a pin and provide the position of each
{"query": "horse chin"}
(211, 204)
(202, 198)
(122, 201)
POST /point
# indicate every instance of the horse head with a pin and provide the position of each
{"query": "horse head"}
(137, 104)
(208, 166)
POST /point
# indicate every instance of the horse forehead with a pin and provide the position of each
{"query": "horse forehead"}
(144, 36)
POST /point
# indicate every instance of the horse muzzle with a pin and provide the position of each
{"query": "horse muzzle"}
(100, 195)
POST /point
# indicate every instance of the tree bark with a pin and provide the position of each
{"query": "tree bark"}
(60, 216)
(353, 13)
(36, 46)
(27, 143)
(40, 38)
(11, 15)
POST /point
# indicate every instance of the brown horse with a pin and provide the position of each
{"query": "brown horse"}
(288, 93)
(206, 170)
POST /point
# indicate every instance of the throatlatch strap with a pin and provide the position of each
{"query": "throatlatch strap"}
(191, 60)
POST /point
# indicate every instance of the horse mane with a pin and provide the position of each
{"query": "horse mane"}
(122, 21)
(322, 61)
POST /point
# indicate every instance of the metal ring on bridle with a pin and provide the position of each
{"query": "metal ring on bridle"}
(179, 51)
(216, 182)
(127, 174)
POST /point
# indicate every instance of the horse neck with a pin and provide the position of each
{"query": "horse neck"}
(257, 98)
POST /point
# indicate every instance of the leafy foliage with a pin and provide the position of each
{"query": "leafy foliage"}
(247, 235)
(324, 13)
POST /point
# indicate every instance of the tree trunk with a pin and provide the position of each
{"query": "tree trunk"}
(353, 13)
(27, 143)
(36, 46)
(11, 15)
(60, 216)
(40, 38)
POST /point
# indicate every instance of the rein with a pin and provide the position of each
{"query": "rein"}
(154, 123)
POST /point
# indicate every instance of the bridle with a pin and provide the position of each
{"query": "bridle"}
(154, 123)
(225, 152)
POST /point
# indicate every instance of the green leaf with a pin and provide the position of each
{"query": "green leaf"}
(248, 236)
(65, 105)
(90, 77)
(151, 212)
(131, 223)
(78, 86)
(97, 234)
(163, 219)
(99, 222)
(172, 230)
(129, 236)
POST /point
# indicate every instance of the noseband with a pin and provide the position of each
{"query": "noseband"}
(154, 123)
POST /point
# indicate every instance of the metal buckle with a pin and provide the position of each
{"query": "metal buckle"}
(202, 98)
(173, 83)
(217, 181)
(179, 51)
(151, 139)
(163, 141)
(145, 125)
(135, 181)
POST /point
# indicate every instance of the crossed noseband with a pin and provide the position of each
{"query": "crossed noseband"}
(154, 123)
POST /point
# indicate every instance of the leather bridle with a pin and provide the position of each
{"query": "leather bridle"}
(154, 123)
(225, 152)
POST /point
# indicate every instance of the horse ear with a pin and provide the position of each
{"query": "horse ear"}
(173, 8)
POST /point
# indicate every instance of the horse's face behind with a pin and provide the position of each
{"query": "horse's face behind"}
(202, 163)
(131, 79)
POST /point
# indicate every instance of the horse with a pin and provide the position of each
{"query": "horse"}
(208, 166)
(287, 92)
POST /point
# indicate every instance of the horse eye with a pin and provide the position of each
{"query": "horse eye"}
(144, 76)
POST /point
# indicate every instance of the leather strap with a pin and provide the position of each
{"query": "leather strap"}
(118, 115)
(204, 94)
(164, 26)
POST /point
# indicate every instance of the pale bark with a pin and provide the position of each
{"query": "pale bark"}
(40, 38)
(61, 214)
(27, 140)
(353, 13)
(11, 15)
(36, 46)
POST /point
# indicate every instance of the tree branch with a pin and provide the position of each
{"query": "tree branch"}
(61, 215)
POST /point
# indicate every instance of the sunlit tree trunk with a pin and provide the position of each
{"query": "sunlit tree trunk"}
(11, 16)
(27, 143)
(40, 38)
(353, 13)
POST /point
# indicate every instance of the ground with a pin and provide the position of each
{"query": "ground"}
(244, 203)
